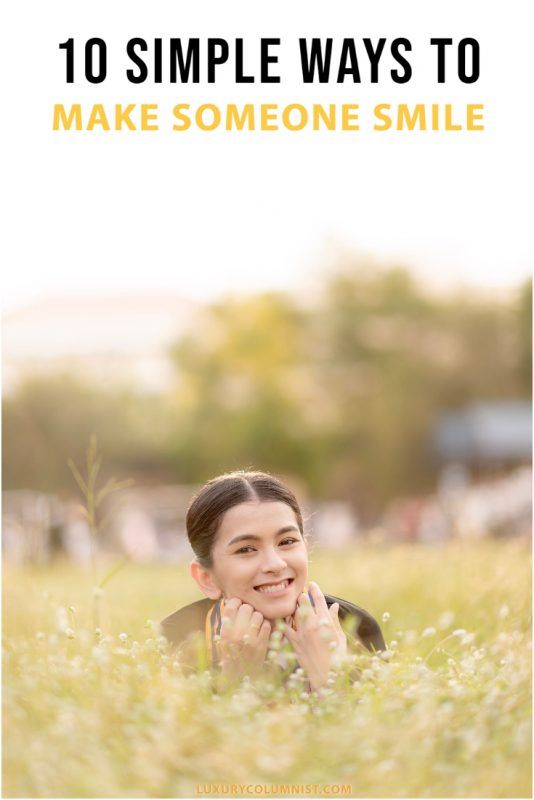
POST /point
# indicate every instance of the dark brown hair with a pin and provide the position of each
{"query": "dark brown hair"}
(206, 509)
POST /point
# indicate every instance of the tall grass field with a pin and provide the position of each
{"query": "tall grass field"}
(445, 712)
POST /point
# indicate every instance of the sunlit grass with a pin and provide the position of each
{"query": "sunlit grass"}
(113, 716)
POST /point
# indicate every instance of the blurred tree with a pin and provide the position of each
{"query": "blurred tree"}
(238, 402)
(51, 419)
(370, 359)
(524, 326)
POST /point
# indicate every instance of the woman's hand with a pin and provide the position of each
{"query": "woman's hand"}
(244, 640)
(319, 638)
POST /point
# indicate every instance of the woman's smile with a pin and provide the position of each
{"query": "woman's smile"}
(274, 588)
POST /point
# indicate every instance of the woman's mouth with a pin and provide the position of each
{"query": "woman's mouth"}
(274, 588)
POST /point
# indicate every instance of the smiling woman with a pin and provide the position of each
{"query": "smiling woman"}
(251, 562)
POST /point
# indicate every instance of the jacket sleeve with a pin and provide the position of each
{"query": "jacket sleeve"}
(359, 623)
(184, 630)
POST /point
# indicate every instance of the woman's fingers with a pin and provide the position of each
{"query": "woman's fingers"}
(231, 608)
(334, 614)
(242, 624)
(243, 616)
(321, 607)
(256, 619)
(304, 600)
(244, 640)
(291, 635)
(304, 609)
(256, 622)
(264, 633)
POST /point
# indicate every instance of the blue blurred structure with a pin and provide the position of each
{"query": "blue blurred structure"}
(485, 434)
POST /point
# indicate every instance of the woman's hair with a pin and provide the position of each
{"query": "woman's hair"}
(207, 508)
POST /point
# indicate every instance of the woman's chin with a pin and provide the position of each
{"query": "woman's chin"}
(277, 607)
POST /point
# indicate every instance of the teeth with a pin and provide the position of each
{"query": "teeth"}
(273, 588)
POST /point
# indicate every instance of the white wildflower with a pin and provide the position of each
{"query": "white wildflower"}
(446, 620)
(428, 632)
(410, 637)
(62, 619)
(385, 767)
(386, 655)
(100, 655)
(290, 656)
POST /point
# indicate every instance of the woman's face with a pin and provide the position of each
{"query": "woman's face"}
(260, 557)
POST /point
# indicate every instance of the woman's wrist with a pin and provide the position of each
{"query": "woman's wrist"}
(325, 675)
(318, 680)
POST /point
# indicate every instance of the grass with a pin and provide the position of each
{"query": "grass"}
(448, 715)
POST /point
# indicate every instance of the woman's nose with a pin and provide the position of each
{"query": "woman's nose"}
(273, 561)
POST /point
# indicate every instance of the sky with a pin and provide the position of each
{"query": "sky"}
(201, 214)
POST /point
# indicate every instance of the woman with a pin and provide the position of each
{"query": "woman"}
(251, 562)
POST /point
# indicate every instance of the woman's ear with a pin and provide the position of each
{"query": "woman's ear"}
(205, 580)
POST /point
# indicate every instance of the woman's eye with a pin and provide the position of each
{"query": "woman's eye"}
(247, 548)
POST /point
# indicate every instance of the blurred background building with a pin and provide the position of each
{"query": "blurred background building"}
(112, 339)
